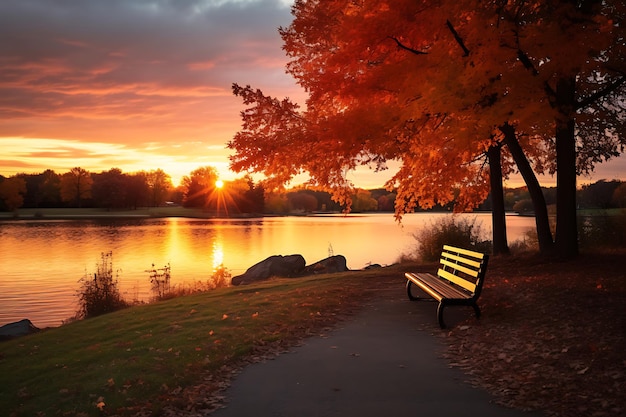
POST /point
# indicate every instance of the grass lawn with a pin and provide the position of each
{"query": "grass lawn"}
(144, 357)
(551, 338)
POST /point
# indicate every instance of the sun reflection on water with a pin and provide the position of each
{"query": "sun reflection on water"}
(218, 253)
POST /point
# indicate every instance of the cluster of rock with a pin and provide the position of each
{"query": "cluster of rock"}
(17, 329)
(290, 266)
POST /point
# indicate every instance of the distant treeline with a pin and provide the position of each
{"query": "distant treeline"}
(116, 190)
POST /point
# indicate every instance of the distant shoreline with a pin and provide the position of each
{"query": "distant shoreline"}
(99, 213)
(195, 213)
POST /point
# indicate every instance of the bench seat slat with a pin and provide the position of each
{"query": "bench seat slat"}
(469, 286)
(466, 252)
(467, 271)
(458, 260)
(443, 290)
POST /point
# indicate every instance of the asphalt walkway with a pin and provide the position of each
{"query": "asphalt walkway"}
(384, 361)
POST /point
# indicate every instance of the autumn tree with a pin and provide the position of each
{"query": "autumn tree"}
(76, 186)
(619, 196)
(575, 54)
(363, 201)
(137, 190)
(199, 186)
(244, 196)
(437, 86)
(109, 189)
(160, 185)
(42, 190)
(12, 191)
(302, 201)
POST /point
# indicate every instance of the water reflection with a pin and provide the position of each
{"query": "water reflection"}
(42, 261)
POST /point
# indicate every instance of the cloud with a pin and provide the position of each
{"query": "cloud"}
(108, 61)
(140, 84)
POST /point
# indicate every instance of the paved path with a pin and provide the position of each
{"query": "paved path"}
(378, 363)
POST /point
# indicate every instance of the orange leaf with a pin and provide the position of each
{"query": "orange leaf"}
(100, 404)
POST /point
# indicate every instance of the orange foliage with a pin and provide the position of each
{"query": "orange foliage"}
(426, 83)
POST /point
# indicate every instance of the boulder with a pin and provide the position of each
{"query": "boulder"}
(329, 265)
(17, 329)
(274, 266)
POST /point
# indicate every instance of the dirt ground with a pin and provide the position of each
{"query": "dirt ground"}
(551, 336)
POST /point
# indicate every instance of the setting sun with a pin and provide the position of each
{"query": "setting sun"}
(219, 184)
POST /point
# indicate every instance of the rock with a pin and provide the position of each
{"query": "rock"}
(329, 265)
(277, 265)
(373, 266)
(17, 329)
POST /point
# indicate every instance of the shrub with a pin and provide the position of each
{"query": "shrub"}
(221, 277)
(601, 231)
(528, 243)
(450, 230)
(101, 294)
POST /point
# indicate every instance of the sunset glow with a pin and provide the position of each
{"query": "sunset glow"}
(143, 85)
(142, 96)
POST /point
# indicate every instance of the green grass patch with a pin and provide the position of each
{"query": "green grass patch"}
(142, 357)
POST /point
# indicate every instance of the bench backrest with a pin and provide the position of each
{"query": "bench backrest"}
(464, 268)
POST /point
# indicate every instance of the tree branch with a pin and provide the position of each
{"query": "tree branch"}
(526, 62)
(601, 93)
(458, 38)
(406, 48)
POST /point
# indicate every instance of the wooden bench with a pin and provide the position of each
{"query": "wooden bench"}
(459, 280)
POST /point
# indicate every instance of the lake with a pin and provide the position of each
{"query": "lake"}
(43, 261)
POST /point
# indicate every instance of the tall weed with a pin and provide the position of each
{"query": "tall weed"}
(450, 230)
(100, 294)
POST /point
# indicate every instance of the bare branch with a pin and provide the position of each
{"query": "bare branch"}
(526, 62)
(458, 38)
(601, 93)
(407, 48)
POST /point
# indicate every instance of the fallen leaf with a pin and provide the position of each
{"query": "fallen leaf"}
(100, 403)
(255, 315)
(225, 316)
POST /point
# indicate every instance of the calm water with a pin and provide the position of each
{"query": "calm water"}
(41, 262)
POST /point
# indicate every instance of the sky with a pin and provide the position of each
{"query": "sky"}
(143, 84)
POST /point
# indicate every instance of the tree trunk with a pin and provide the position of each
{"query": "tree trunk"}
(544, 235)
(498, 215)
(566, 241)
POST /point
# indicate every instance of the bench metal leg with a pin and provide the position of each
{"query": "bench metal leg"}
(440, 315)
(476, 310)
(409, 283)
